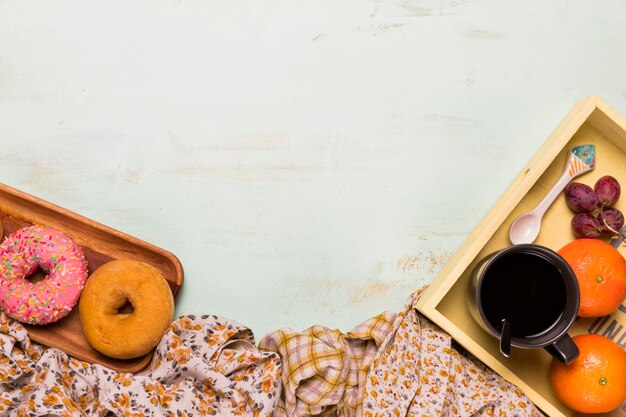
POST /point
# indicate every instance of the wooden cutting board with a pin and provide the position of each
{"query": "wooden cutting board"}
(100, 244)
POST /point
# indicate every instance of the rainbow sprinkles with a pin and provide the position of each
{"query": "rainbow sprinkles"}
(51, 299)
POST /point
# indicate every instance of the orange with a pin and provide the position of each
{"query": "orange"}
(601, 273)
(596, 381)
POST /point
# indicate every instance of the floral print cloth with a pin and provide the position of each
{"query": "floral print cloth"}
(203, 366)
(418, 373)
(393, 365)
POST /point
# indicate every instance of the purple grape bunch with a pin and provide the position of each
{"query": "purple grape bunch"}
(595, 214)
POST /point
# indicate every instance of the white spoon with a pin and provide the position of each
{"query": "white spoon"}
(525, 228)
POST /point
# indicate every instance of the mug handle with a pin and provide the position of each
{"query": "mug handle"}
(564, 349)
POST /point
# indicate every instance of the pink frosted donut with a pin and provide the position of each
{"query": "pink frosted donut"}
(47, 301)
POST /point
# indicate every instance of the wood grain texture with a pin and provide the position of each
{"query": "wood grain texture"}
(100, 244)
(445, 301)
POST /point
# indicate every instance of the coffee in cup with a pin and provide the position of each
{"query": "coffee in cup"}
(534, 290)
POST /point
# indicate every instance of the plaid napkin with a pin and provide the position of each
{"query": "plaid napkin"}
(324, 371)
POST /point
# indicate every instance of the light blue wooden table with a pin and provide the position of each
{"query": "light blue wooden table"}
(308, 162)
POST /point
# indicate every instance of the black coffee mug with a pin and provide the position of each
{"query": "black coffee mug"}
(535, 290)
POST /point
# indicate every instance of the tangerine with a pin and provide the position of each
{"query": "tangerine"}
(601, 273)
(596, 381)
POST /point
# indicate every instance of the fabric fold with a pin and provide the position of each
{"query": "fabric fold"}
(324, 370)
(392, 365)
(417, 372)
(203, 366)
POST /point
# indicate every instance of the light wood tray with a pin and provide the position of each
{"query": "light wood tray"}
(100, 245)
(590, 121)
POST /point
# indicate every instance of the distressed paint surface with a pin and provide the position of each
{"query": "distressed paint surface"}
(308, 163)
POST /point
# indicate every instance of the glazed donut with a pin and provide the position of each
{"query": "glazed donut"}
(125, 335)
(47, 301)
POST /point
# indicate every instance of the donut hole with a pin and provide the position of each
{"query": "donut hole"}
(37, 276)
(119, 304)
(126, 308)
